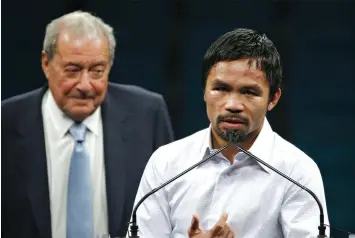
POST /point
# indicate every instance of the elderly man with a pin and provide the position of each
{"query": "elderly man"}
(74, 150)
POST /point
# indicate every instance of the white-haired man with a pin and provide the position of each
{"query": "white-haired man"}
(74, 150)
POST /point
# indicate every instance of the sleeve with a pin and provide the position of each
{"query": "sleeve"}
(4, 176)
(153, 217)
(299, 212)
(163, 129)
(7, 171)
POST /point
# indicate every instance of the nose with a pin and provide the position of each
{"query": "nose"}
(84, 82)
(234, 104)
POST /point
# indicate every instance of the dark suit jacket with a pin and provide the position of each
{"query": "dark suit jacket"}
(135, 123)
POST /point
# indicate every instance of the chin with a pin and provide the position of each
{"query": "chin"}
(80, 115)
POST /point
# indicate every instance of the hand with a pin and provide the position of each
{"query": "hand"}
(220, 230)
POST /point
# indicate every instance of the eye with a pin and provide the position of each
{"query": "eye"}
(220, 88)
(97, 72)
(72, 69)
(251, 93)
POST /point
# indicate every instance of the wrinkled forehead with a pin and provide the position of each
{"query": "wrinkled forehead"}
(71, 47)
(77, 44)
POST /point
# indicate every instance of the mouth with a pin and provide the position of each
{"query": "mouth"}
(81, 101)
(232, 123)
(83, 97)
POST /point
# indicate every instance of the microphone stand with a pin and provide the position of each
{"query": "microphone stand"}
(134, 226)
(233, 138)
(322, 226)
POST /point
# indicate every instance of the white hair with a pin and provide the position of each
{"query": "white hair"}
(82, 24)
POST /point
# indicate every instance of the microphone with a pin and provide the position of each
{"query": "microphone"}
(134, 226)
(322, 226)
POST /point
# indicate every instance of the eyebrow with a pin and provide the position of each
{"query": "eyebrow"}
(73, 64)
(220, 83)
(70, 63)
(103, 63)
(253, 87)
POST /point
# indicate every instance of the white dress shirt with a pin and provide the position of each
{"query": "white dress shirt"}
(259, 202)
(59, 148)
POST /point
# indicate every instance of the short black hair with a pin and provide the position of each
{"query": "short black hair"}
(243, 43)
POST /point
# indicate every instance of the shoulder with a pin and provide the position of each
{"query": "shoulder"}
(293, 159)
(17, 105)
(179, 152)
(21, 99)
(18, 111)
(303, 169)
(133, 91)
(135, 97)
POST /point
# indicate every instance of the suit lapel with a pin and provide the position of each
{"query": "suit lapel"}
(114, 116)
(31, 151)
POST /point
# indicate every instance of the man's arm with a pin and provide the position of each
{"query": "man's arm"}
(5, 181)
(299, 212)
(153, 214)
(163, 129)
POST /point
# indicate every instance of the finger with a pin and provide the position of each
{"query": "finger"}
(219, 226)
(230, 234)
(195, 224)
(226, 229)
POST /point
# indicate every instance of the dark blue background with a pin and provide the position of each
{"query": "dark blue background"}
(160, 47)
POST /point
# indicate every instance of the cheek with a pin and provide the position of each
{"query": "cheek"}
(66, 86)
(99, 86)
(215, 102)
(214, 93)
(257, 114)
(212, 106)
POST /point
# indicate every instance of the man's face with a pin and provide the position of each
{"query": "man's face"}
(78, 74)
(237, 97)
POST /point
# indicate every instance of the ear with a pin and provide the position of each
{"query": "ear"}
(274, 99)
(45, 64)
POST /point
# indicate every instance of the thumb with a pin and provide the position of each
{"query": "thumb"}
(223, 219)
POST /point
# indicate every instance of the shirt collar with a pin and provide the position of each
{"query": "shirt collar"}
(62, 122)
(261, 148)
